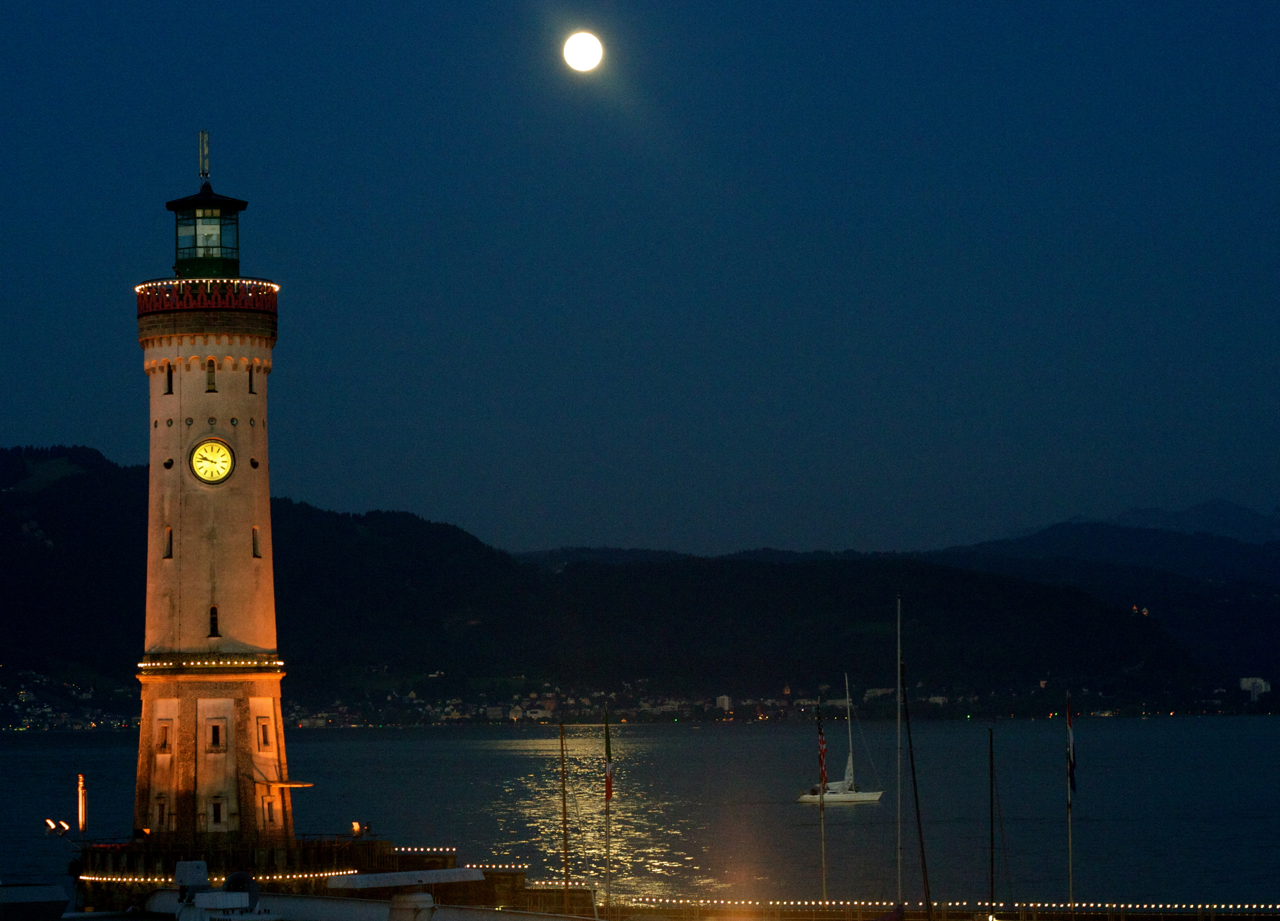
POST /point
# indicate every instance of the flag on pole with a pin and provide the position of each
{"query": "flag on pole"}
(1071, 752)
(608, 760)
(822, 755)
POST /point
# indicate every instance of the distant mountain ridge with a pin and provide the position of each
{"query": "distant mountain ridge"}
(1217, 516)
(392, 590)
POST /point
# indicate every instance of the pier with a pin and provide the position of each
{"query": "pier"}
(727, 910)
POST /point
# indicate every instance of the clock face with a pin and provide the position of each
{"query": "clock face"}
(212, 461)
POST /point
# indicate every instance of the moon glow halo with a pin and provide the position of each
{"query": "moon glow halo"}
(583, 51)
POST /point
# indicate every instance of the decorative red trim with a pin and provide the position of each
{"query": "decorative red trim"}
(207, 294)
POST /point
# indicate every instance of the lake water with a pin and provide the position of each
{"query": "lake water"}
(1167, 810)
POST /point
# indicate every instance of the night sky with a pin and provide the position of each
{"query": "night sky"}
(827, 275)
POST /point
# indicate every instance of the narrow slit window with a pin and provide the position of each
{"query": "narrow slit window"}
(160, 810)
(264, 733)
(252, 387)
(270, 809)
(213, 622)
(168, 378)
(217, 812)
(217, 734)
(162, 735)
(168, 543)
(211, 376)
(256, 551)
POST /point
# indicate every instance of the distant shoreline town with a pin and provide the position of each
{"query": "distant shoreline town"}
(30, 701)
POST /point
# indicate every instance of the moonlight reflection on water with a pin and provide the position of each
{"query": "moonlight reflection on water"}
(1168, 810)
(651, 852)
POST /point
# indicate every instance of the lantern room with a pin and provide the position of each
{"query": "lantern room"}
(207, 234)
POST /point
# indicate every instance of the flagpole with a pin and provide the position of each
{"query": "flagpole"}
(898, 676)
(822, 794)
(1071, 768)
(564, 816)
(608, 798)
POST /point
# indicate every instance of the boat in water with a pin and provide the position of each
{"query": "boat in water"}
(842, 791)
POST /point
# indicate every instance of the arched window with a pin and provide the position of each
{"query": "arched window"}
(213, 622)
(211, 376)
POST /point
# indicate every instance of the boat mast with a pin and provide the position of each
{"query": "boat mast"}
(822, 794)
(898, 669)
(1071, 783)
(915, 792)
(608, 796)
(564, 817)
(991, 790)
(848, 724)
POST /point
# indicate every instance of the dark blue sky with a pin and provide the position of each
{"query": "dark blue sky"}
(838, 275)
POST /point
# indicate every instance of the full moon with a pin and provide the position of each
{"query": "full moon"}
(583, 51)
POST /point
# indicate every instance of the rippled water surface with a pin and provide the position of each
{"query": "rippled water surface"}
(1170, 810)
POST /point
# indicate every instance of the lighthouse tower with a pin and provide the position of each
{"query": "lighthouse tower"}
(211, 759)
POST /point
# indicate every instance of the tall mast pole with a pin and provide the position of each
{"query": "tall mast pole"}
(1071, 767)
(564, 817)
(991, 843)
(898, 670)
(848, 721)
(608, 798)
(822, 794)
(915, 793)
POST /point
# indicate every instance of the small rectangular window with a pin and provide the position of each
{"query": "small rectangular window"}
(164, 728)
(213, 622)
(252, 389)
(269, 807)
(211, 376)
(264, 733)
(168, 543)
(160, 811)
(217, 811)
(256, 552)
(168, 378)
(216, 735)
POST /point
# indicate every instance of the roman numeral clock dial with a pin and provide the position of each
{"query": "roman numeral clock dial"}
(212, 461)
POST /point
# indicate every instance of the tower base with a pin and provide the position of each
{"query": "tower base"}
(212, 771)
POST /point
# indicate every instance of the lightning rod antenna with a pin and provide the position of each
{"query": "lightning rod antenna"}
(204, 155)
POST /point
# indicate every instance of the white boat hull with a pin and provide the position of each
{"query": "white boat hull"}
(842, 799)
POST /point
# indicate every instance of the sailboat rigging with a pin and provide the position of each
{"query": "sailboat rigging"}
(841, 792)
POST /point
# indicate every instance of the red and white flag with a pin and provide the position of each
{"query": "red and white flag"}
(822, 755)
(1071, 753)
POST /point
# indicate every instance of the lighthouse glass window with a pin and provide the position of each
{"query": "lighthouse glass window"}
(208, 233)
(186, 235)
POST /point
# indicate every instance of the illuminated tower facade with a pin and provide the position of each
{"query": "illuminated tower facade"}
(211, 757)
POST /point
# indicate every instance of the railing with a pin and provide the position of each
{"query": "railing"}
(208, 252)
(207, 294)
(232, 660)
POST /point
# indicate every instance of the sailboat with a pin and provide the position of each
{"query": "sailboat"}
(842, 791)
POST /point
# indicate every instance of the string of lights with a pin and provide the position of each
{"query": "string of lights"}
(641, 902)
(210, 663)
(215, 879)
